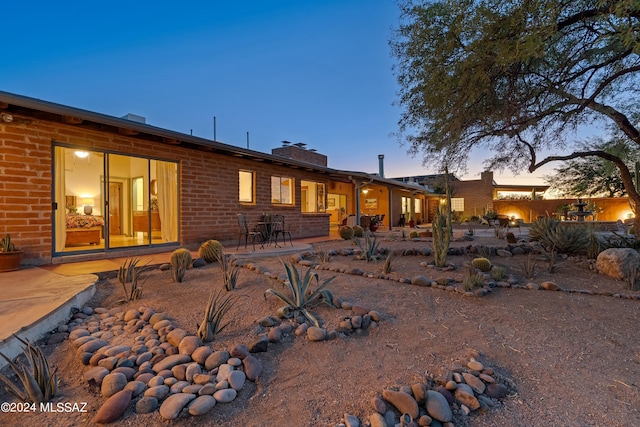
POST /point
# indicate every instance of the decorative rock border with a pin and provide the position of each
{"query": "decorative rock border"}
(138, 355)
(468, 387)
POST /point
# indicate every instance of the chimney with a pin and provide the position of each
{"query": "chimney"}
(381, 165)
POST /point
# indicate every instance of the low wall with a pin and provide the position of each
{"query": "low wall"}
(613, 209)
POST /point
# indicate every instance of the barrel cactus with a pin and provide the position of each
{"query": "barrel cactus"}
(358, 231)
(210, 251)
(414, 235)
(482, 264)
(180, 260)
(346, 232)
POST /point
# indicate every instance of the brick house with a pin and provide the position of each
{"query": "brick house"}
(82, 185)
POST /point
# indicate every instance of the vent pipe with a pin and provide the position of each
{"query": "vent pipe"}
(381, 165)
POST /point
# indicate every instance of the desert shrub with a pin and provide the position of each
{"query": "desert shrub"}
(529, 266)
(346, 232)
(564, 238)
(473, 280)
(323, 256)
(498, 273)
(230, 270)
(388, 263)
(358, 231)
(210, 250)
(482, 264)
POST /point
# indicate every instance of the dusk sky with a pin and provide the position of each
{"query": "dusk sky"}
(318, 72)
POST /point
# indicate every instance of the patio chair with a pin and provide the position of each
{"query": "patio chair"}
(278, 227)
(246, 232)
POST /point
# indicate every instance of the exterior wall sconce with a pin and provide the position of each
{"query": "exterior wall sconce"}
(6, 117)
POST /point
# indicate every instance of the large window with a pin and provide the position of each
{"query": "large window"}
(281, 190)
(246, 186)
(457, 204)
(312, 196)
(417, 206)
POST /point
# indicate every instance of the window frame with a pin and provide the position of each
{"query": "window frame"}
(253, 187)
(291, 187)
(319, 206)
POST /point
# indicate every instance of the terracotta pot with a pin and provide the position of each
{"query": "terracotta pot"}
(10, 261)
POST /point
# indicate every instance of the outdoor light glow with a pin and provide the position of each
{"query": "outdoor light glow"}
(82, 154)
(627, 215)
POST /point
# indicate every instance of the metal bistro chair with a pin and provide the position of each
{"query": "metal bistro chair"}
(278, 227)
(244, 231)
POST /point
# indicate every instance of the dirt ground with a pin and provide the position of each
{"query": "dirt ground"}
(574, 358)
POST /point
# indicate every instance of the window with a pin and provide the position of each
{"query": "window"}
(457, 204)
(312, 196)
(281, 190)
(417, 203)
(245, 184)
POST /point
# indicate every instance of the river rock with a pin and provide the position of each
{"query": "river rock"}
(146, 405)
(113, 383)
(173, 405)
(216, 359)
(175, 336)
(225, 396)
(95, 375)
(496, 390)
(239, 350)
(189, 344)
(159, 392)
(474, 382)
(171, 361)
(437, 407)
(252, 367)
(201, 405)
(466, 397)
(316, 334)
(550, 286)
(421, 281)
(192, 370)
(92, 346)
(402, 401)
(201, 354)
(259, 345)
(113, 408)
(236, 379)
(136, 387)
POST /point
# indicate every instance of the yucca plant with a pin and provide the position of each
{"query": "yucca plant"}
(303, 297)
(130, 272)
(388, 263)
(369, 249)
(229, 269)
(217, 308)
(323, 256)
(39, 381)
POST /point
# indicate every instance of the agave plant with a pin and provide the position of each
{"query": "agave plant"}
(369, 249)
(303, 297)
(40, 383)
(130, 272)
(217, 308)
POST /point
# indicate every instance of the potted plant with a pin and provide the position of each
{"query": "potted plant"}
(374, 223)
(9, 257)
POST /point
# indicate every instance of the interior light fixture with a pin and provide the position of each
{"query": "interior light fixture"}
(88, 205)
(81, 154)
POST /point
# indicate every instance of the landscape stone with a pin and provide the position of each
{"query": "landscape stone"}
(146, 405)
(95, 375)
(419, 392)
(377, 420)
(113, 407)
(496, 390)
(223, 372)
(252, 367)
(171, 361)
(616, 262)
(192, 369)
(474, 382)
(437, 407)
(216, 359)
(136, 387)
(113, 383)
(173, 405)
(159, 392)
(402, 401)
(201, 405)
(379, 405)
(201, 354)
(274, 335)
(239, 350)
(236, 380)
(549, 286)
(225, 396)
(351, 420)
(421, 281)
(259, 345)
(175, 336)
(466, 398)
(316, 334)
(92, 346)
(189, 344)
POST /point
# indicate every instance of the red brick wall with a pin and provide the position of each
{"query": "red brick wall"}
(478, 194)
(297, 153)
(208, 186)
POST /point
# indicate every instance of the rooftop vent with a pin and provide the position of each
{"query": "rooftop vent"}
(135, 118)
(300, 144)
(286, 143)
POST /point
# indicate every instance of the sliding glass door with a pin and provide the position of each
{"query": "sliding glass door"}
(105, 200)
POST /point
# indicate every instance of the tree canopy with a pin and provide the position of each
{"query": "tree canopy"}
(520, 79)
(593, 176)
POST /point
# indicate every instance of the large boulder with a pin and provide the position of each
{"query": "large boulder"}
(617, 262)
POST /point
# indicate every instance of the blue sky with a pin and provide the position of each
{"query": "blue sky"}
(318, 72)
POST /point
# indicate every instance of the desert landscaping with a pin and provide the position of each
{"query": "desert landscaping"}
(557, 348)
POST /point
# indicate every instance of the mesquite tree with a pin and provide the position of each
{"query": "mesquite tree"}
(521, 79)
